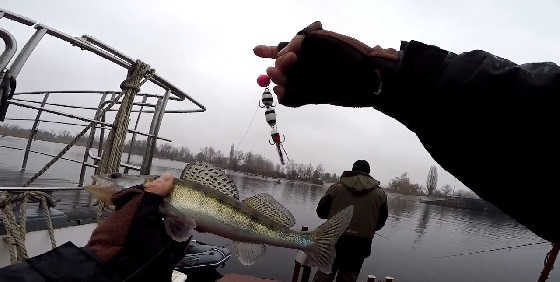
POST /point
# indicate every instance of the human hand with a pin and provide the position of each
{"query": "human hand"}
(324, 67)
(162, 186)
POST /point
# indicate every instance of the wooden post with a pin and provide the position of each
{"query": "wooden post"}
(295, 275)
(298, 266)
(306, 273)
(306, 269)
(389, 279)
(371, 278)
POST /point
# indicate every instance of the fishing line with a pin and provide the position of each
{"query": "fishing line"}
(494, 250)
(248, 127)
(286, 153)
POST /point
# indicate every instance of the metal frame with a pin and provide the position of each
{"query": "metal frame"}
(91, 44)
(10, 48)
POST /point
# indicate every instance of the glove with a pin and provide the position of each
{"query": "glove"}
(329, 68)
(132, 242)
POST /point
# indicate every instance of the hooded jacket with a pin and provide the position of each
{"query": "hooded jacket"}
(363, 192)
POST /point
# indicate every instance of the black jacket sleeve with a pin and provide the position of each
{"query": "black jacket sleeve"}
(488, 121)
(64, 263)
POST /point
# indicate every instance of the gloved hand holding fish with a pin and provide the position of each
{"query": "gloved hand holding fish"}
(206, 198)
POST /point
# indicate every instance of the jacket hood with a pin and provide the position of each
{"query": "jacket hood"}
(357, 181)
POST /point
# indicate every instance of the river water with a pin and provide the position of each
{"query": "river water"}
(418, 243)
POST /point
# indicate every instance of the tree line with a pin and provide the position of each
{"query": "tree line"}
(401, 184)
(236, 160)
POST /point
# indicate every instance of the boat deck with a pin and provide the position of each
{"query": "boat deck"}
(72, 207)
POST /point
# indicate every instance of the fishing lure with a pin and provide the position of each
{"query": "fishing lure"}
(270, 115)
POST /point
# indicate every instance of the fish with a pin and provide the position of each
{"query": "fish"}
(205, 198)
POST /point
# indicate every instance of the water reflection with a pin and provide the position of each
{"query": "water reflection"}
(414, 236)
(423, 221)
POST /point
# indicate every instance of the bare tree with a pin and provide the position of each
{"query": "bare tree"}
(431, 182)
(446, 190)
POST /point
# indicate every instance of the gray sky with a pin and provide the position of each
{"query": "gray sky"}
(205, 48)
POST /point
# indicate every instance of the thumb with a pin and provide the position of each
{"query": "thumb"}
(264, 51)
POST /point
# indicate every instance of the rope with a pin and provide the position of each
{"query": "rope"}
(549, 262)
(112, 151)
(493, 250)
(15, 231)
(137, 75)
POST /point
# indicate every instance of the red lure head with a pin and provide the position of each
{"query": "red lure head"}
(263, 80)
(275, 137)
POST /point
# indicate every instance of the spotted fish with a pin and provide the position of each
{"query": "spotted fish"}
(206, 198)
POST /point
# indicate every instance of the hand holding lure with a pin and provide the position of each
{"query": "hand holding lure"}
(270, 115)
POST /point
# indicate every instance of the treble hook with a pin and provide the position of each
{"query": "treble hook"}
(273, 143)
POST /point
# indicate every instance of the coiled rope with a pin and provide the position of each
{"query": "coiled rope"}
(110, 161)
(15, 231)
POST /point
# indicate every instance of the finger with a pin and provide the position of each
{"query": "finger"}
(293, 46)
(390, 53)
(167, 176)
(284, 62)
(280, 91)
(276, 75)
(264, 51)
(316, 25)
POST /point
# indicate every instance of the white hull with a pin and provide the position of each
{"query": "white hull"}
(38, 242)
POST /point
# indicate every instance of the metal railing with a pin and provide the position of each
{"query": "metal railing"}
(154, 104)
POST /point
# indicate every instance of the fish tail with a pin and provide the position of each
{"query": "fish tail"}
(321, 251)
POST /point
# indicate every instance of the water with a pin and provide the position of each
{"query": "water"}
(410, 247)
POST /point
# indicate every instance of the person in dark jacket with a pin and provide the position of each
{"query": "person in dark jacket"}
(130, 245)
(488, 121)
(359, 189)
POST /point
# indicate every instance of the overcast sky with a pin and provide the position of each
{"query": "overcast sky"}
(205, 48)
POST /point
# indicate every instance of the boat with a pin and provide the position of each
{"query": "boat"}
(42, 225)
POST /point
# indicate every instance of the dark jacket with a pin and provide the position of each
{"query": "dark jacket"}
(363, 192)
(490, 122)
(130, 245)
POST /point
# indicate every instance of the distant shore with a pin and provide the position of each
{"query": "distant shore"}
(275, 179)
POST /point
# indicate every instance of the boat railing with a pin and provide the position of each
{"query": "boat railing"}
(129, 103)
(41, 101)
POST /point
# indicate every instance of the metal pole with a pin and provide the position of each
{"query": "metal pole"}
(133, 139)
(33, 133)
(90, 140)
(154, 131)
(10, 47)
(24, 54)
(100, 144)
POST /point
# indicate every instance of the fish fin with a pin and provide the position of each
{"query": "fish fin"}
(248, 253)
(269, 207)
(210, 176)
(177, 226)
(102, 190)
(322, 251)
